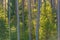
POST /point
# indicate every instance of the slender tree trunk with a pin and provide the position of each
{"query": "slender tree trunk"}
(35, 1)
(9, 18)
(29, 17)
(18, 22)
(23, 29)
(5, 10)
(2, 3)
(58, 16)
(38, 21)
(52, 3)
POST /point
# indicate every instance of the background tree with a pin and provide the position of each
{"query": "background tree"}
(47, 22)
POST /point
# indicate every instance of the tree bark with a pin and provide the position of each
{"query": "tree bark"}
(38, 21)
(58, 17)
(18, 22)
(23, 29)
(9, 18)
(29, 18)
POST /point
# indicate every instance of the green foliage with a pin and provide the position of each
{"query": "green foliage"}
(47, 25)
(48, 22)
(3, 25)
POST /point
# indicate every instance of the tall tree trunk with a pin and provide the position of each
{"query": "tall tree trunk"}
(52, 3)
(18, 22)
(9, 18)
(38, 20)
(23, 29)
(29, 18)
(58, 16)
(5, 10)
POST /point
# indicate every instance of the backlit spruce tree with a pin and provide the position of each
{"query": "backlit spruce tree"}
(48, 27)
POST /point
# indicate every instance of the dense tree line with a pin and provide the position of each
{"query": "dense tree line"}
(28, 20)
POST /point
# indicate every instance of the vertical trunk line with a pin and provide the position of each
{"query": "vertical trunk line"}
(58, 19)
(9, 18)
(23, 29)
(38, 20)
(29, 18)
(5, 10)
(18, 20)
